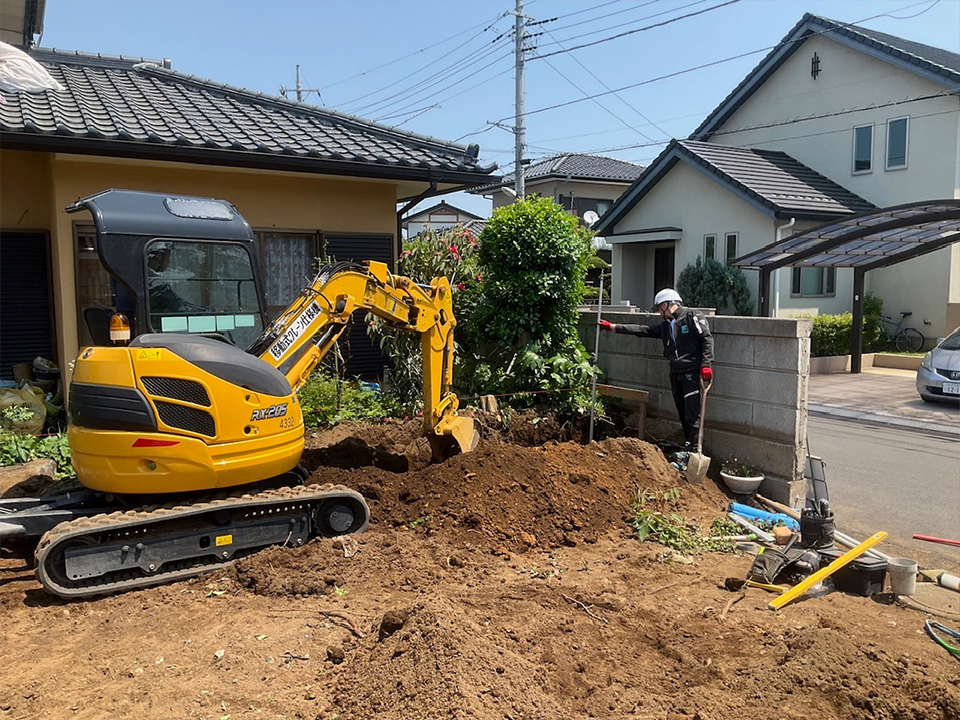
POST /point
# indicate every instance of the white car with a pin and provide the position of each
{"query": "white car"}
(939, 375)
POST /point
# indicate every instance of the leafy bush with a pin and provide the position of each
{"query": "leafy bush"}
(18, 448)
(326, 400)
(533, 257)
(833, 334)
(711, 284)
(655, 519)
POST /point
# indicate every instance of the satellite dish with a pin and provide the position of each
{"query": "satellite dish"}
(590, 218)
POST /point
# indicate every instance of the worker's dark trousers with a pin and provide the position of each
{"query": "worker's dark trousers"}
(686, 396)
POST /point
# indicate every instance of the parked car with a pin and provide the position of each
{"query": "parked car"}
(938, 377)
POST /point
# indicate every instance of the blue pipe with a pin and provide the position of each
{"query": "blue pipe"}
(751, 512)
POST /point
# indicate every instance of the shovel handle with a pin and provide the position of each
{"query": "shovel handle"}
(704, 389)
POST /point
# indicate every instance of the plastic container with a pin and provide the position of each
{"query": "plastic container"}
(864, 576)
(903, 576)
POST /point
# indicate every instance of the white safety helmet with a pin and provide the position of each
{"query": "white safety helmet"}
(667, 295)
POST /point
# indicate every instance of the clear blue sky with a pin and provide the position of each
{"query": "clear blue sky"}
(445, 67)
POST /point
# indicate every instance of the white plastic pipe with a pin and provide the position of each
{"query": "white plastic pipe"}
(776, 277)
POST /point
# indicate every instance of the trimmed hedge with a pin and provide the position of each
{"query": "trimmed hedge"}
(833, 334)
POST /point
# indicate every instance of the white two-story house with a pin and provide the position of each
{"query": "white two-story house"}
(835, 121)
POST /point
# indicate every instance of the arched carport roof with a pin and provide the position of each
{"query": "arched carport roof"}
(863, 242)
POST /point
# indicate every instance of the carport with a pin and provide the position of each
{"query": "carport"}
(864, 242)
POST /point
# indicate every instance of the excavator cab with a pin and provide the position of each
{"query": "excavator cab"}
(179, 265)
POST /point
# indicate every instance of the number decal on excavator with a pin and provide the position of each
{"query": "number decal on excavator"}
(274, 411)
(298, 328)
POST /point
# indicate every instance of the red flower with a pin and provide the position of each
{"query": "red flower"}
(455, 252)
(479, 277)
(461, 286)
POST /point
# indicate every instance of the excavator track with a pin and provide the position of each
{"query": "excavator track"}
(119, 551)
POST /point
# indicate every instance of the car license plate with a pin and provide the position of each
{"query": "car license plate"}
(951, 388)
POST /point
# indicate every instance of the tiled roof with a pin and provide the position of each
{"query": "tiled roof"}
(574, 166)
(442, 206)
(476, 227)
(136, 108)
(936, 64)
(771, 179)
(779, 180)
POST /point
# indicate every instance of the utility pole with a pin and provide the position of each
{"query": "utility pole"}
(518, 126)
(301, 90)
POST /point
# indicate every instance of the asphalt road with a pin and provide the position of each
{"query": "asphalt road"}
(893, 479)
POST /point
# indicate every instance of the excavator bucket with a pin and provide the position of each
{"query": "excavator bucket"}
(458, 435)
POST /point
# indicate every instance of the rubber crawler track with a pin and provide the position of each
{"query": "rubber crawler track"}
(139, 520)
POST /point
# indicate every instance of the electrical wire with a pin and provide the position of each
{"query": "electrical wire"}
(704, 65)
(390, 63)
(637, 30)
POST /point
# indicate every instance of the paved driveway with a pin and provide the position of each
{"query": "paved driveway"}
(881, 395)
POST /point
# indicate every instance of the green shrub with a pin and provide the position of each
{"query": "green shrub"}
(326, 400)
(833, 335)
(533, 258)
(711, 284)
(18, 448)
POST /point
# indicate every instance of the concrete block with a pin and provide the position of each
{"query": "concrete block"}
(778, 353)
(733, 350)
(791, 493)
(777, 421)
(726, 411)
(758, 385)
(759, 327)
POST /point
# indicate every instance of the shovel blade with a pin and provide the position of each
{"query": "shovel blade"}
(697, 467)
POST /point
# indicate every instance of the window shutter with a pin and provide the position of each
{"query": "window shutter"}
(26, 330)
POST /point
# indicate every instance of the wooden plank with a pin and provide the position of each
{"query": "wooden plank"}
(622, 392)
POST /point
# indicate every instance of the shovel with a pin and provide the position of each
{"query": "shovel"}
(698, 463)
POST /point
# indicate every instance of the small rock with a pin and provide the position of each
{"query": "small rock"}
(528, 539)
(335, 654)
(218, 655)
(392, 621)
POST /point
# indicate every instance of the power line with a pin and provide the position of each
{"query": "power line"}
(607, 87)
(819, 116)
(637, 30)
(705, 65)
(417, 52)
(482, 51)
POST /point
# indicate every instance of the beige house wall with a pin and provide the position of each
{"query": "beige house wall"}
(555, 188)
(851, 78)
(36, 187)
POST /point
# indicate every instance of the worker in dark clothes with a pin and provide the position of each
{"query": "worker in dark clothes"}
(688, 345)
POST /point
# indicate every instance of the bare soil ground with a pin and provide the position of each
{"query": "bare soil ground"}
(502, 584)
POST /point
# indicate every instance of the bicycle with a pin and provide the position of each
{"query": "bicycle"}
(905, 339)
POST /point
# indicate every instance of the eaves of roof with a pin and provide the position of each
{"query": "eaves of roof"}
(122, 107)
(772, 181)
(940, 66)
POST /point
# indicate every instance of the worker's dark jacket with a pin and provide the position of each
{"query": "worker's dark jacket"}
(693, 348)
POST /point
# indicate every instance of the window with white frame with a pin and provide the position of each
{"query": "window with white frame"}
(731, 247)
(709, 247)
(814, 282)
(898, 130)
(862, 149)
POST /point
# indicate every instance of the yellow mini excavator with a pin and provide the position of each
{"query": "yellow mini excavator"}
(193, 393)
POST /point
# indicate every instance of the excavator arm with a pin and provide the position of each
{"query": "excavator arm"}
(307, 330)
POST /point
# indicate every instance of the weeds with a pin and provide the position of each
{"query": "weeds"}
(655, 519)
(18, 448)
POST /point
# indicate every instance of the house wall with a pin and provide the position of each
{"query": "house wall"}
(716, 211)
(44, 185)
(851, 78)
(555, 188)
(757, 407)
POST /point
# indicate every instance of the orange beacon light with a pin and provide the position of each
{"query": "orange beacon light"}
(119, 329)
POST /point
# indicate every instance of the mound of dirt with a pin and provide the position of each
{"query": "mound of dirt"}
(506, 583)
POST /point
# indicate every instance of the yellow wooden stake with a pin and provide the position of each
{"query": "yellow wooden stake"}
(820, 574)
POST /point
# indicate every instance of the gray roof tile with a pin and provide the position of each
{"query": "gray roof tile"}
(777, 179)
(771, 178)
(140, 106)
(577, 167)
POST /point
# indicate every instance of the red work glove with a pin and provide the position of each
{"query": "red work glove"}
(706, 374)
(605, 324)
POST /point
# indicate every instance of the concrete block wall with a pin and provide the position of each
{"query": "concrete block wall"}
(757, 407)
